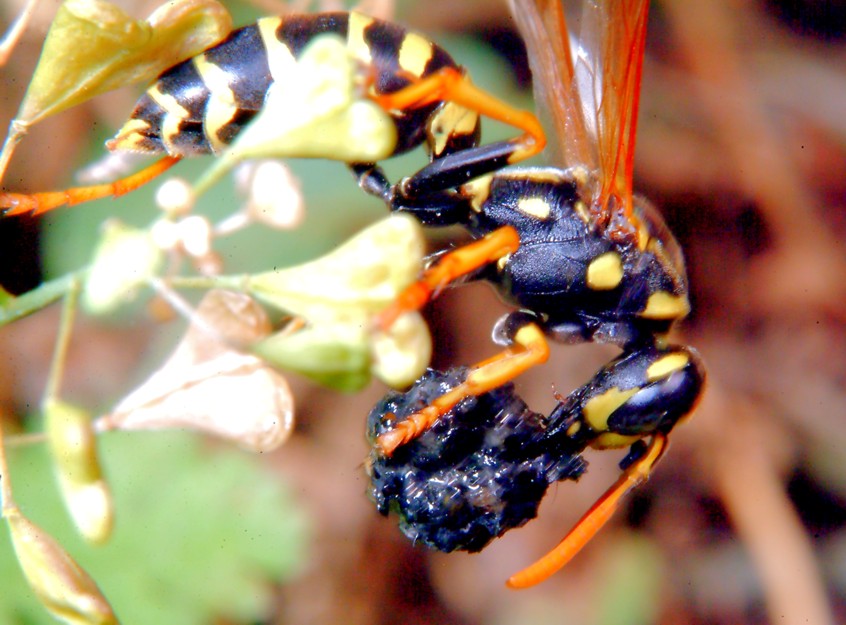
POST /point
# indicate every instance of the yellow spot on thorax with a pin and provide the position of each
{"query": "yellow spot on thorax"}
(605, 272)
(534, 207)
(581, 210)
(663, 305)
(643, 238)
(415, 53)
(666, 365)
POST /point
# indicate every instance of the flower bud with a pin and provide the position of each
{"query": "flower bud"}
(125, 259)
(62, 586)
(73, 446)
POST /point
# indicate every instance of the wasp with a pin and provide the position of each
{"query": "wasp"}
(581, 258)
(201, 105)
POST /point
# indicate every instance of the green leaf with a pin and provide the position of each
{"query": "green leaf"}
(199, 533)
(339, 296)
(354, 281)
(6, 298)
(93, 47)
(335, 356)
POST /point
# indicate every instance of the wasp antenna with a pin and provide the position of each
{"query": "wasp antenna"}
(592, 521)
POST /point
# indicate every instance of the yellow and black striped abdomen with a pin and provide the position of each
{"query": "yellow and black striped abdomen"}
(200, 105)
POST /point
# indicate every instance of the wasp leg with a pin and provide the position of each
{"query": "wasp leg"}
(594, 519)
(640, 395)
(372, 180)
(451, 170)
(529, 349)
(451, 266)
(37, 203)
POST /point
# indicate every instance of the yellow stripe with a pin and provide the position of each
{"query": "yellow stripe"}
(174, 115)
(131, 137)
(451, 120)
(478, 189)
(221, 107)
(279, 56)
(169, 103)
(666, 365)
(612, 440)
(355, 37)
(597, 409)
(537, 174)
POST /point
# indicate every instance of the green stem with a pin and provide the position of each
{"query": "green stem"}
(38, 298)
(233, 283)
(60, 351)
(8, 502)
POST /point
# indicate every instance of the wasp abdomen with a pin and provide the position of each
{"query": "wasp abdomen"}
(200, 105)
(481, 470)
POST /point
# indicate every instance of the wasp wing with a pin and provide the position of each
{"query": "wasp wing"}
(620, 29)
(544, 30)
(591, 90)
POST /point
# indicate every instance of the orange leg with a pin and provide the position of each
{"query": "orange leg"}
(593, 520)
(37, 203)
(530, 348)
(449, 267)
(448, 84)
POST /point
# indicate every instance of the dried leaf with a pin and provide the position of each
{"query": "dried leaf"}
(209, 385)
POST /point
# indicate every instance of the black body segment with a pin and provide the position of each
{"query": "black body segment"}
(484, 466)
(581, 259)
(200, 105)
(576, 281)
(480, 471)
(582, 283)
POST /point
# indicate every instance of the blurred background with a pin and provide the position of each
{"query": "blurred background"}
(742, 146)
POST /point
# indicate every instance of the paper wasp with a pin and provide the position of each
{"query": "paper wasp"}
(583, 260)
(201, 105)
(580, 257)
